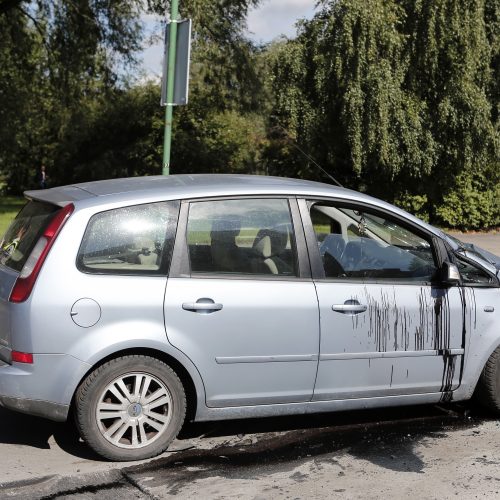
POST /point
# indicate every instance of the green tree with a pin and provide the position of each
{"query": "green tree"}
(86, 119)
(21, 123)
(451, 52)
(223, 127)
(397, 97)
(56, 57)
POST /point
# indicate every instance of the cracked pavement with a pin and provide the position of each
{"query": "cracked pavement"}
(445, 451)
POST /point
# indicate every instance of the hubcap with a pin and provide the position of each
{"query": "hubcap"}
(134, 410)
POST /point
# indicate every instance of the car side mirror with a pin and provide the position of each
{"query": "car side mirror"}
(450, 273)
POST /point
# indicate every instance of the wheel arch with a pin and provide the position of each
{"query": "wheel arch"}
(477, 362)
(192, 384)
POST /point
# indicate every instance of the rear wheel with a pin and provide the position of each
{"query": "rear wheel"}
(488, 388)
(130, 408)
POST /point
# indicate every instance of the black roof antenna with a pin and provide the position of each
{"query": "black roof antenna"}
(310, 158)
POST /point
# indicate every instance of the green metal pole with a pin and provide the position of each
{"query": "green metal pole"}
(172, 48)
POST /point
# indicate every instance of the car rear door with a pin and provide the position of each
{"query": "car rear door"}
(240, 302)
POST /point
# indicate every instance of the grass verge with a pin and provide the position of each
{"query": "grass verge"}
(9, 206)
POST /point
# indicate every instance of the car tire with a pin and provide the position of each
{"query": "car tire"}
(130, 408)
(488, 388)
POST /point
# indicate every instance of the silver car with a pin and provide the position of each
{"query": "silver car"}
(138, 303)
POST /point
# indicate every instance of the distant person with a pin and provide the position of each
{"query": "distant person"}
(42, 177)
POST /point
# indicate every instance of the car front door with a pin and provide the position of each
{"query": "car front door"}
(388, 327)
(240, 302)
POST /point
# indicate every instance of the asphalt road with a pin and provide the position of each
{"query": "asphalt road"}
(418, 452)
(415, 452)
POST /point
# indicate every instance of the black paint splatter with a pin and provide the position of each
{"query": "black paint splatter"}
(442, 330)
(449, 364)
(389, 326)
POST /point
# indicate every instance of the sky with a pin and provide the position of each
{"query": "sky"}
(277, 17)
(270, 20)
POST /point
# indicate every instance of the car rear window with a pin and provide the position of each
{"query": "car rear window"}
(24, 232)
(130, 240)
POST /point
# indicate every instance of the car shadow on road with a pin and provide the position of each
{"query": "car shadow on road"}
(386, 437)
(297, 446)
(20, 429)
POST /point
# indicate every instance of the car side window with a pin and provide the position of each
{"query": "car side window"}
(245, 236)
(361, 244)
(129, 240)
(470, 274)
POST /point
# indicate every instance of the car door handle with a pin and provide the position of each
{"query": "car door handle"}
(349, 308)
(202, 306)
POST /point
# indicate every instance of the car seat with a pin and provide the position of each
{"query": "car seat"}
(331, 250)
(268, 245)
(226, 255)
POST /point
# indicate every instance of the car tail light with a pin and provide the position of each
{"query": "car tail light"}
(22, 357)
(26, 280)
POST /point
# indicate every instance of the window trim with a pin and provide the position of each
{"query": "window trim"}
(318, 273)
(167, 257)
(181, 267)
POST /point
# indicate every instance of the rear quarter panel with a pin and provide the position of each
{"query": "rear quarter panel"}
(132, 315)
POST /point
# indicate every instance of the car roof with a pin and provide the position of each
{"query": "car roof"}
(172, 187)
(186, 186)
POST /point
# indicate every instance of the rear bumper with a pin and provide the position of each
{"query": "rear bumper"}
(45, 409)
(45, 388)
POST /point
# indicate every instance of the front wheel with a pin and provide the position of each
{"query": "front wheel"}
(488, 388)
(130, 408)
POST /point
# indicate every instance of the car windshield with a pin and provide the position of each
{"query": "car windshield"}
(383, 230)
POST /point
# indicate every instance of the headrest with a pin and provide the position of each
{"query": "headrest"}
(269, 242)
(225, 229)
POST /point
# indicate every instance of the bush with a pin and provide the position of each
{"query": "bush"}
(468, 205)
(415, 204)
